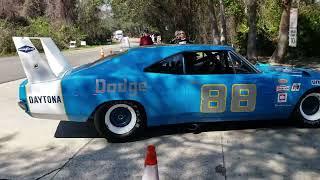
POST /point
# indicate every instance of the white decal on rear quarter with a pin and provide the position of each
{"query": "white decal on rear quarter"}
(282, 97)
(45, 100)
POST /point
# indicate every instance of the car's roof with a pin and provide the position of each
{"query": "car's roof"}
(150, 54)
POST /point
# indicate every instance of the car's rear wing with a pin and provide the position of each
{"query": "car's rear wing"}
(35, 67)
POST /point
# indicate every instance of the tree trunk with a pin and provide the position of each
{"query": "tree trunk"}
(33, 8)
(61, 10)
(280, 52)
(10, 8)
(203, 25)
(214, 24)
(252, 35)
(223, 24)
(232, 29)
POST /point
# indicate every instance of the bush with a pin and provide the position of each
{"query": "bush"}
(40, 27)
(309, 31)
(61, 34)
(6, 32)
(264, 46)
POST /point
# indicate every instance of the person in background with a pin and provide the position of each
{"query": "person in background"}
(124, 43)
(176, 38)
(152, 37)
(183, 38)
(159, 39)
(145, 39)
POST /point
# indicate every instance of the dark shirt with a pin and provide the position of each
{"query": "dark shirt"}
(145, 40)
(180, 41)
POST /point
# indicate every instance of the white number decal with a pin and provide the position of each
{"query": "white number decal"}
(213, 98)
(243, 98)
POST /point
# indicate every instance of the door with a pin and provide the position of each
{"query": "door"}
(166, 101)
(222, 86)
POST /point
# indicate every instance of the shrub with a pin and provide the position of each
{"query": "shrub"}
(6, 31)
(309, 31)
(39, 27)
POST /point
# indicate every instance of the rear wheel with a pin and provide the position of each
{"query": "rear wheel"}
(119, 121)
(309, 110)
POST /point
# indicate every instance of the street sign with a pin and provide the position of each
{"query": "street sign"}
(83, 43)
(293, 27)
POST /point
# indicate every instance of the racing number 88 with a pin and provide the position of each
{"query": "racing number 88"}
(213, 98)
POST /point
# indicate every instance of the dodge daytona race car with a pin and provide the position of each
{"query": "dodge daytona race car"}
(159, 85)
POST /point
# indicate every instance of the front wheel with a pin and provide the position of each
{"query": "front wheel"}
(309, 110)
(118, 121)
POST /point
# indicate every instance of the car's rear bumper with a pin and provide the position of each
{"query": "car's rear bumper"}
(23, 105)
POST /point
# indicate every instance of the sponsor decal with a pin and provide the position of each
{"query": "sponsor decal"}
(26, 49)
(286, 69)
(283, 81)
(282, 97)
(125, 86)
(283, 88)
(296, 87)
(315, 82)
(44, 99)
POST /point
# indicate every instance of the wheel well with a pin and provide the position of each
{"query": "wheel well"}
(304, 94)
(140, 106)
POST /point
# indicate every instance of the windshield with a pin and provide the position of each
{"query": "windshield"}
(246, 61)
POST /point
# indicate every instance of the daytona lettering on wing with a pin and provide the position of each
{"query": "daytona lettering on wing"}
(44, 99)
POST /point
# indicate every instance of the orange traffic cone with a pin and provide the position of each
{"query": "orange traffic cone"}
(102, 53)
(151, 165)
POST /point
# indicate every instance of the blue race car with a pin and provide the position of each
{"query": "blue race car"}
(160, 85)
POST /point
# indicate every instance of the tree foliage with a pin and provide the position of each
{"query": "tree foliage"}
(95, 20)
(63, 20)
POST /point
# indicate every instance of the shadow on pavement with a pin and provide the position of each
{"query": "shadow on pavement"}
(67, 129)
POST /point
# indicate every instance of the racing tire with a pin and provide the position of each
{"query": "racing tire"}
(308, 110)
(119, 121)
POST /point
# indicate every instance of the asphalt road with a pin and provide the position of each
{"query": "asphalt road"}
(47, 149)
(11, 68)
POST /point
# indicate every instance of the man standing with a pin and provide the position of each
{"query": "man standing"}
(181, 38)
(176, 38)
(124, 43)
(145, 39)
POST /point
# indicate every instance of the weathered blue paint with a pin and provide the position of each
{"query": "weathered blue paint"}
(171, 99)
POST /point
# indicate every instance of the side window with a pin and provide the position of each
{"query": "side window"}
(169, 65)
(207, 62)
(239, 65)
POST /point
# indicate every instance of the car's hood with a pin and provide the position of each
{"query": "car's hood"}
(266, 68)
